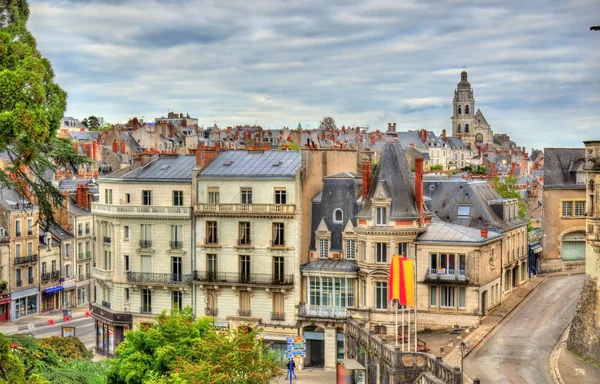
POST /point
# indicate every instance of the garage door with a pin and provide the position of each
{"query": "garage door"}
(573, 247)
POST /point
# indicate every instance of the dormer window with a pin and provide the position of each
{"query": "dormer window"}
(338, 216)
(323, 248)
(464, 210)
(381, 216)
(49, 241)
(581, 177)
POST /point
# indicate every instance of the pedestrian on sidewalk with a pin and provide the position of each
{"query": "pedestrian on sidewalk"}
(291, 365)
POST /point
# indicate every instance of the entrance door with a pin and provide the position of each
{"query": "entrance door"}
(484, 303)
(515, 276)
(317, 353)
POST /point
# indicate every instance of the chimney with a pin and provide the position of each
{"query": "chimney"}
(513, 169)
(123, 146)
(523, 166)
(444, 134)
(494, 169)
(419, 186)
(82, 196)
(95, 150)
(424, 135)
(171, 130)
(100, 139)
(487, 147)
(204, 155)
(484, 233)
(115, 146)
(367, 170)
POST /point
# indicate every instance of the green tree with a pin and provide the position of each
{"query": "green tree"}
(94, 123)
(178, 349)
(508, 189)
(31, 106)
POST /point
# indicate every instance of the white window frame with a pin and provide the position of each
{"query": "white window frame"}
(323, 248)
(351, 249)
(335, 214)
(379, 257)
(381, 216)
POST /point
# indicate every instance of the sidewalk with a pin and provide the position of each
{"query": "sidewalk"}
(41, 320)
(308, 376)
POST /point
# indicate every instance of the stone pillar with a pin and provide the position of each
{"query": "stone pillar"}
(330, 346)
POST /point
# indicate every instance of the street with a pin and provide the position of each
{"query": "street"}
(84, 329)
(517, 351)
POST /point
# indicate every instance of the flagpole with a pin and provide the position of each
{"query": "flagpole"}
(408, 329)
(396, 323)
(402, 329)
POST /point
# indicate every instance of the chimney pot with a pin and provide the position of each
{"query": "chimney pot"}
(484, 233)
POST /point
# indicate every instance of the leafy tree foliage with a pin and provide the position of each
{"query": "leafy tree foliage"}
(508, 190)
(181, 350)
(93, 123)
(328, 123)
(31, 106)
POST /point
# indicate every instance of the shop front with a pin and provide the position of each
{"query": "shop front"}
(110, 329)
(51, 298)
(24, 303)
(69, 298)
(4, 307)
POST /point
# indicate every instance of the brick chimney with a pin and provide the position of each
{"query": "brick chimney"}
(424, 135)
(123, 146)
(444, 135)
(419, 186)
(367, 175)
(87, 148)
(484, 233)
(95, 150)
(115, 146)
(523, 166)
(204, 155)
(82, 197)
(494, 169)
(513, 169)
(171, 131)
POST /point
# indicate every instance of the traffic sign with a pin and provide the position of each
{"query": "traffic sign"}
(297, 339)
(299, 353)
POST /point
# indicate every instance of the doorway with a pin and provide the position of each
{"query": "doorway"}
(317, 353)
(484, 303)
(515, 276)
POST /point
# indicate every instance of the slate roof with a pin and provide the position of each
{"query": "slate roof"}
(84, 135)
(395, 174)
(253, 164)
(161, 168)
(406, 138)
(455, 142)
(330, 265)
(71, 185)
(9, 197)
(58, 231)
(447, 195)
(441, 232)
(76, 210)
(557, 164)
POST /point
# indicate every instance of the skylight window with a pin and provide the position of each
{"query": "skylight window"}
(228, 163)
(277, 164)
(463, 210)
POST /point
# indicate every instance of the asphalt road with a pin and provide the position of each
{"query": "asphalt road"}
(84, 329)
(517, 350)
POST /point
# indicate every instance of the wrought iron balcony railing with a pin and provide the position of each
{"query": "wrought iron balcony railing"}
(145, 244)
(54, 275)
(322, 311)
(446, 274)
(211, 312)
(245, 278)
(84, 255)
(277, 316)
(176, 244)
(26, 259)
(244, 312)
(158, 278)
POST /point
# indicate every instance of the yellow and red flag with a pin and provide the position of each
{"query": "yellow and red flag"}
(401, 281)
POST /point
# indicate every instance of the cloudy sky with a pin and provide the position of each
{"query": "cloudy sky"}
(534, 65)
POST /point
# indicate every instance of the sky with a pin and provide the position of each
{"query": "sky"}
(534, 65)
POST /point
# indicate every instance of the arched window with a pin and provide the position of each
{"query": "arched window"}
(338, 216)
(466, 128)
(459, 110)
(459, 128)
(466, 109)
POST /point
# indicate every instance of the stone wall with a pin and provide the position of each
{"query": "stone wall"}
(584, 336)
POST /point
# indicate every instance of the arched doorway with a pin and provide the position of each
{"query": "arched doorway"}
(484, 303)
(315, 346)
(573, 246)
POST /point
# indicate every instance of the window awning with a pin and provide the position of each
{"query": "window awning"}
(56, 288)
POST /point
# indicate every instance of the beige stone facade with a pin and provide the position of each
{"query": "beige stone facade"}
(467, 123)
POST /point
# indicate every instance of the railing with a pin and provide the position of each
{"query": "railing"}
(246, 278)
(47, 276)
(107, 240)
(54, 275)
(211, 312)
(158, 278)
(211, 241)
(242, 243)
(446, 274)
(244, 312)
(245, 209)
(322, 311)
(4, 239)
(83, 276)
(176, 244)
(277, 243)
(102, 274)
(26, 259)
(145, 244)
(85, 255)
(277, 316)
(140, 210)
(106, 304)
(145, 309)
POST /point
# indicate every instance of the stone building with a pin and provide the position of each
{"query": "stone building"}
(144, 239)
(50, 272)
(564, 209)
(247, 225)
(584, 335)
(468, 124)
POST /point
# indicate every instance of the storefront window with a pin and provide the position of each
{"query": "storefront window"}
(340, 349)
(111, 343)
(100, 334)
(279, 351)
(32, 304)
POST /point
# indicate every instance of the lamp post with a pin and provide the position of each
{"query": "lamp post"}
(462, 347)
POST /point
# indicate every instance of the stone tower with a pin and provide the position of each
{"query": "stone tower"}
(468, 124)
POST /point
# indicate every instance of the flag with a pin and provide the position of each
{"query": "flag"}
(401, 281)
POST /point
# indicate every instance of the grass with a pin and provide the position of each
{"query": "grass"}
(588, 361)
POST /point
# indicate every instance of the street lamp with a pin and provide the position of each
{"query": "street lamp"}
(462, 347)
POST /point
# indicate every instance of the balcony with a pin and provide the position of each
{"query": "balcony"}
(54, 275)
(244, 312)
(102, 274)
(145, 244)
(211, 312)
(84, 255)
(244, 278)
(141, 211)
(176, 244)
(446, 275)
(158, 278)
(245, 210)
(107, 240)
(106, 304)
(26, 259)
(48, 276)
(322, 311)
(277, 316)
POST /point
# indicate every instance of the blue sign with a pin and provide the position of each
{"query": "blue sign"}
(299, 353)
(290, 355)
(289, 339)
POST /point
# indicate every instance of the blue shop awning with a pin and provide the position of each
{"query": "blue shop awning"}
(56, 288)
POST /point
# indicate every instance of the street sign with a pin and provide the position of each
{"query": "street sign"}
(299, 353)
